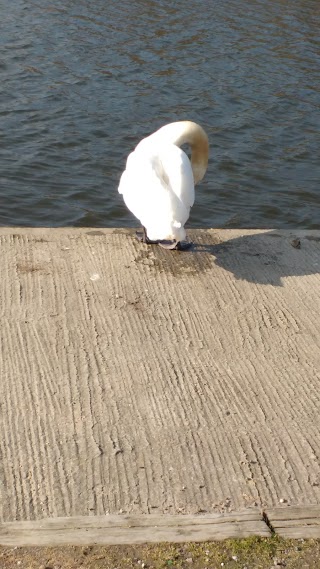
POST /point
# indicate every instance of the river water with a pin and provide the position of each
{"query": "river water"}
(83, 81)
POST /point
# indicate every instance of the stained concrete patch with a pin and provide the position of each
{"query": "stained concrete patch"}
(176, 382)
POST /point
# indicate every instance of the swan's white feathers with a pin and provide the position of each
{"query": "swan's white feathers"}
(158, 186)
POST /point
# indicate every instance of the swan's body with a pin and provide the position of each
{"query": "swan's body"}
(158, 182)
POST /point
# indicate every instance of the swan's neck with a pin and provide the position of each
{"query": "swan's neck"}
(187, 132)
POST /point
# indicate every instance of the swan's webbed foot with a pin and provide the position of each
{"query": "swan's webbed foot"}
(165, 244)
(184, 245)
(176, 245)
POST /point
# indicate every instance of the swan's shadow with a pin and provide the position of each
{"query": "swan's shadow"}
(265, 257)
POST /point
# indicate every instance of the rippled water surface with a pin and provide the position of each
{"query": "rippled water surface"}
(83, 81)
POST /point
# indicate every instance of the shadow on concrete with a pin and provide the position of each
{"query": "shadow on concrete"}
(264, 258)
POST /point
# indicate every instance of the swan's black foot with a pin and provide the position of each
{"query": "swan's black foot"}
(176, 245)
(165, 244)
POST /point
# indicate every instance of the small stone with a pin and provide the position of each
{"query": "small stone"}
(86, 550)
(207, 552)
(234, 557)
(189, 560)
(282, 500)
(296, 243)
(277, 563)
(94, 277)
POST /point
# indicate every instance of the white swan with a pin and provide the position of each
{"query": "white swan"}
(158, 182)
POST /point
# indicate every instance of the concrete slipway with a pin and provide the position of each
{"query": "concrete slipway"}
(136, 380)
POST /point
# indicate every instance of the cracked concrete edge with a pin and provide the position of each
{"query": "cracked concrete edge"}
(287, 522)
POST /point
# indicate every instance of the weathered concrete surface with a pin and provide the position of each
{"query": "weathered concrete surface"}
(140, 380)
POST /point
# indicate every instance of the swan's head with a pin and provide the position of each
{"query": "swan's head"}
(188, 132)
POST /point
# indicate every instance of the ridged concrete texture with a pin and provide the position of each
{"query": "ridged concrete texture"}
(139, 380)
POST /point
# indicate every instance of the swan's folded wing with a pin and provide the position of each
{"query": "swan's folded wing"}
(178, 169)
(151, 186)
(144, 186)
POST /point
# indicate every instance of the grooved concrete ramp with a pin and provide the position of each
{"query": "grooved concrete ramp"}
(138, 380)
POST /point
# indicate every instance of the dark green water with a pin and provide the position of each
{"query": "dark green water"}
(83, 81)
